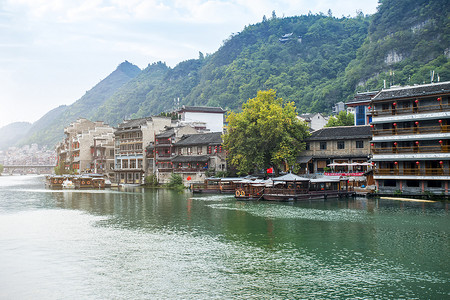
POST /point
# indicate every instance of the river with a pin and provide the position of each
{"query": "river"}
(161, 244)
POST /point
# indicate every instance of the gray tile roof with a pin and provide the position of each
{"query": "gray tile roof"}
(414, 91)
(341, 132)
(362, 97)
(166, 133)
(190, 158)
(210, 138)
(206, 109)
(133, 123)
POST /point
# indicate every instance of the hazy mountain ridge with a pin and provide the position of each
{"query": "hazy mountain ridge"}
(312, 60)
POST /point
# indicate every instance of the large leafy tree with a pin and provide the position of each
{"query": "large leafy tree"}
(342, 119)
(267, 133)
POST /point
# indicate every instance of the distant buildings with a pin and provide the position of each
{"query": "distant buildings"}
(315, 121)
(211, 117)
(359, 106)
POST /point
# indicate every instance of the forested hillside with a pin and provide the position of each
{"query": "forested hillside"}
(313, 60)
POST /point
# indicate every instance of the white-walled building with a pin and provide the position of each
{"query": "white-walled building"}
(211, 116)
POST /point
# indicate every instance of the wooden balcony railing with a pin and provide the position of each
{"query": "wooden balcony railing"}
(413, 149)
(412, 130)
(411, 110)
(413, 171)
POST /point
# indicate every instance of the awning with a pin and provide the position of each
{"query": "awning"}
(303, 159)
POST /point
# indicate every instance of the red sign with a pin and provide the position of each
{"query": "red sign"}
(344, 174)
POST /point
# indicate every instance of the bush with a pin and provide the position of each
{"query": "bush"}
(151, 180)
(175, 180)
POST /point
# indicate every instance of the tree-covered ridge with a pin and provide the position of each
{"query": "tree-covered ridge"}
(407, 41)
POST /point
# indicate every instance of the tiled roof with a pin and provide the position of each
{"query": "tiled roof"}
(210, 138)
(414, 91)
(190, 158)
(166, 133)
(133, 122)
(341, 132)
(205, 109)
(362, 97)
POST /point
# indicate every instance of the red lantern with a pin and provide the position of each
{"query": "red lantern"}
(371, 125)
(417, 163)
(441, 162)
(372, 144)
(439, 99)
(395, 143)
(417, 101)
(440, 121)
(369, 107)
(440, 141)
(395, 124)
(395, 163)
(188, 178)
(417, 142)
(395, 103)
(417, 123)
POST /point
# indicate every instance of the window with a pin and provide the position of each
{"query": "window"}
(390, 183)
(412, 183)
(189, 150)
(111, 166)
(323, 145)
(111, 152)
(180, 151)
(359, 144)
(199, 150)
(307, 146)
(434, 183)
(341, 145)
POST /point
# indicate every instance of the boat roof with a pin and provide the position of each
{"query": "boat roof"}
(290, 177)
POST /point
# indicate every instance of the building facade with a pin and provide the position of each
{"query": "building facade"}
(344, 146)
(314, 121)
(193, 157)
(87, 148)
(131, 137)
(359, 106)
(211, 117)
(411, 139)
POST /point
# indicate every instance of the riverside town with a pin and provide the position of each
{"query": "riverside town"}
(398, 145)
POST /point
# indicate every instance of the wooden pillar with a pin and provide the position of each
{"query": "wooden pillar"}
(423, 186)
(400, 182)
(446, 187)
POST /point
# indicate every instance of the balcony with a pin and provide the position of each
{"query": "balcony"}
(412, 149)
(411, 130)
(413, 171)
(410, 110)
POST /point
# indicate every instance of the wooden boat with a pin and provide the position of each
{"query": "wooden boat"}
(216, 185)
(68, 184)
(83, 182)
(55, 181)
(291, 187)
(250, 189)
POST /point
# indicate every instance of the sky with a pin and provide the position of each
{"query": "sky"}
(53, 51)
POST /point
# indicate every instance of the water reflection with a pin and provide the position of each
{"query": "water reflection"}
(144, 243)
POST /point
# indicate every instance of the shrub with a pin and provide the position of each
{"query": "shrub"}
(175, 180)
(151, 180)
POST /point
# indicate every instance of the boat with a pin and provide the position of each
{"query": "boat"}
(54, 181)
(216, 185)
(68, 184)
(291, 187)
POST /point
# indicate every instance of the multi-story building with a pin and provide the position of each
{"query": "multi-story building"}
(162, 149)
(86, 147)
(192, 157)
(345, 147)
(131, 137)
(359, 107)
(411, 139)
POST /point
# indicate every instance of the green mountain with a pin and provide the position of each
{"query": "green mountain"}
(49, 129)
(312, 60)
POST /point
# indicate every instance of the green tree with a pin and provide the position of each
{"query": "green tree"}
(342, 119)
(1, 169)
(267, 133)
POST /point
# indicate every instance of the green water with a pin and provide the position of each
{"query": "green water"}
(160, 244)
